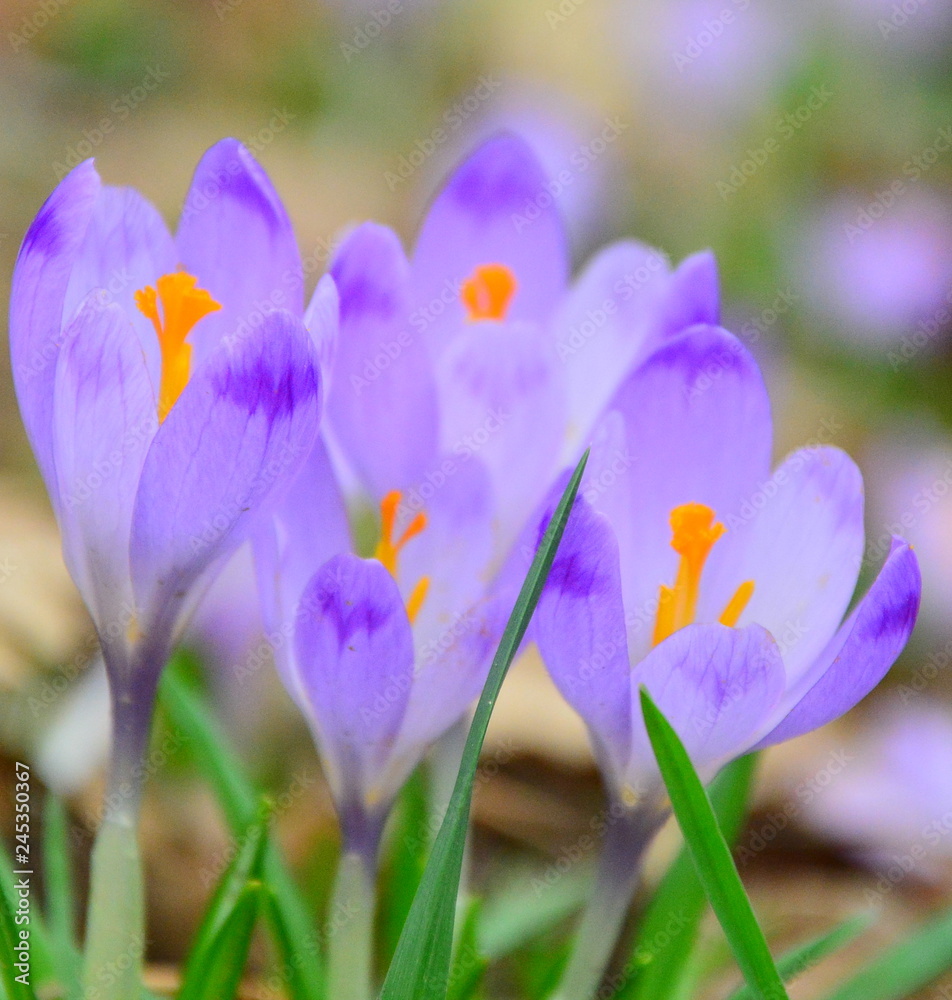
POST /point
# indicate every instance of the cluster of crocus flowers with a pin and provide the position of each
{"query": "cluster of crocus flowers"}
(175, 416)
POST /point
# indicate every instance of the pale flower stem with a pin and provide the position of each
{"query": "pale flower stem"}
(351, 945)
(115, 936)
(619, 874)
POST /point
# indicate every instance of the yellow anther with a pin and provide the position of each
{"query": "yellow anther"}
(388, 548)
(694, 534)
(487, 292)
(183, 305)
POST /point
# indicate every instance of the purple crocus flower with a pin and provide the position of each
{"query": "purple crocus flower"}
(693, 569)
(459, 380)
(717, 583)
(165, 408)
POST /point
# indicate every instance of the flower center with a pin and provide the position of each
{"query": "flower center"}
(389, 548)
(487, 292)
(183, 305)
(694, 532)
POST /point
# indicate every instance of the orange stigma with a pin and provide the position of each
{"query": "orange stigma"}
(388, 548)
(183, 305)
(694, 534)
(487, 292)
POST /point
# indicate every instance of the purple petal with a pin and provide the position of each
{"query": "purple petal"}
(322, 319)
(105, 418)
(800, 539)
(495, 209)
(126, 247)
(235, 440)
(698, 430)
(859, 655)
(382, 407)
(715, 685)
(502, 398)
(579, 626)
(608, 320)
(354, 654)
(40, 280)
(236, 238)
(693, 295)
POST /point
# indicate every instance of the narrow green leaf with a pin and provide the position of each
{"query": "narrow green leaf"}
(712, 857)
(42, 965)
(223, 966)
(237, 797)
(244, 867)
(906, 968)
(668, 931)
(421, 964)
(60, 896)
(805, 956)
(9, 955)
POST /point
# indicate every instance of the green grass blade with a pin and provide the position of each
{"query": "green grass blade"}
(42, 965)
(805, 956)
(906, 968)
(238, 798)
(245, 867)
(667, 933)
(60, 894)
(222, 967)
(712, 857)
(9, 939)
(421, 964)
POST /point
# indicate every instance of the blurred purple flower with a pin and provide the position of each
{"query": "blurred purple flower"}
(882, 271)
(735, 626)
(895, 797)
(163, 421)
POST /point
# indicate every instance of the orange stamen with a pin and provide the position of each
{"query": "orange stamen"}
(487, 292)
(388, 549)
(694, 534)
(183, 305)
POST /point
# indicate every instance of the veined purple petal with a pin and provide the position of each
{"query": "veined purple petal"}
(382, 406)
(800, 539)
(608, 320)
(236, 238)
(715, 685)
(354, 660)
(698, 430)
(104, 419)
(40, 280)
(693, 295)
(502, 398)
(579, 626)
(232, 444)
(859, 655)
(127, 246)
(495, 209)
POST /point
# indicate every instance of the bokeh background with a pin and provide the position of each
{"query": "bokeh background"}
(809, 145)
